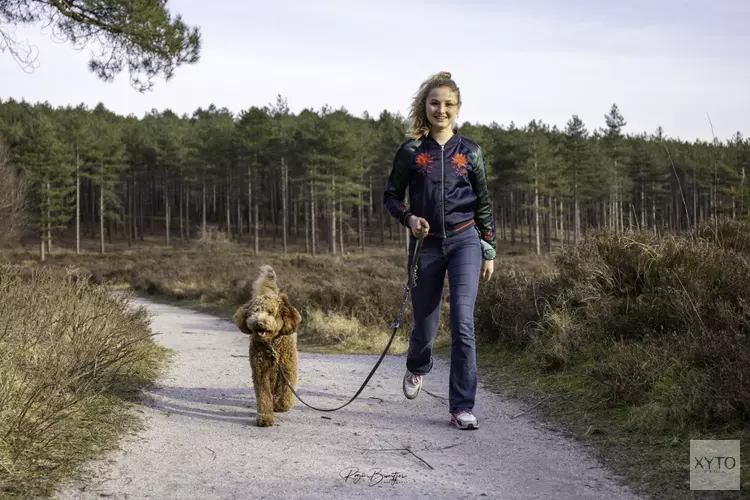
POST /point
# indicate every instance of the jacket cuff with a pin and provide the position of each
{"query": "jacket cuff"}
(488, 253)
(404, 219)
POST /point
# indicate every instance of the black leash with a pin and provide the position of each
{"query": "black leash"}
(410, 284)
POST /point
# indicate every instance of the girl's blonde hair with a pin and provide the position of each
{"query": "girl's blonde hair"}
(419, 126)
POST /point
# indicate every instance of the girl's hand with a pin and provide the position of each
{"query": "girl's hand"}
(488, 267)
(419, 226)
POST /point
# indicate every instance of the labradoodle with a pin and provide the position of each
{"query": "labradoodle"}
(270, 320)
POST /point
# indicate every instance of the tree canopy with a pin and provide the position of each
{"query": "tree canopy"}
(140, 36)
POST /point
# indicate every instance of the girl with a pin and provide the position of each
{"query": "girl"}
(450, 208)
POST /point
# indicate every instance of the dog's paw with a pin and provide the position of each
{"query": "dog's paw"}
(264, 420)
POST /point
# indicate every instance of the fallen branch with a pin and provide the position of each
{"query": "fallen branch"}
(531, 408)
(402, 449)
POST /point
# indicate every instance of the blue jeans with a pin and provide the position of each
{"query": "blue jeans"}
(461, 256)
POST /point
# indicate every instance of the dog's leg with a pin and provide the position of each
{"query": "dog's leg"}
(285, 396)
(263, 397)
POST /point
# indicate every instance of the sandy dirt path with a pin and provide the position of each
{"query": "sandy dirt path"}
(201, 441)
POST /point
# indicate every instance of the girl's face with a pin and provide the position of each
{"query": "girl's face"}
(441, 107)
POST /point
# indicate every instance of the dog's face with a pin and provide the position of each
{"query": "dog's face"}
(269, 317)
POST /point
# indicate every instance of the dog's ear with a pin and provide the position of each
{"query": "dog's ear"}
(240, 319)
(290, 316)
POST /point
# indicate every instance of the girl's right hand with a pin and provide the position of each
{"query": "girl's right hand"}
(419, 226)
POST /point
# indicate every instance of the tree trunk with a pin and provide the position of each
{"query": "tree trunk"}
(256, 227)
(274, 210)
(154, 207)
(92, 208)
(203, 210)
(381, 212)
(250, 200)
(742, 192)
(228, 207)
(512, 219)
(561, 219)
(504, 218)
(295, 217)
(128, 218)
(134, 211)
(49, 221)
(284, 212)
(361, 216)
(238, 201)
(42, 236)
(370, 204)
(313, 236)
(553, 217)
(101, 212)
(167, 215)
(549, 224)
(630, 212)
(644, 226)
(307, 206)
(536, 213)
(332, 228)
(341, 227)
(182, 212)
(187, 213)
(577, 215)
(361, 223)
(78, 204)
(653, 209)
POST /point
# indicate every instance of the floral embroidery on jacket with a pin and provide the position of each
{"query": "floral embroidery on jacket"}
(424, 160)
(459, 163)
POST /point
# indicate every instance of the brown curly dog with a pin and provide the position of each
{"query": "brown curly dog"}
(270, 320)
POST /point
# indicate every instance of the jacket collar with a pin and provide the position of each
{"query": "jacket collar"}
(455, 139)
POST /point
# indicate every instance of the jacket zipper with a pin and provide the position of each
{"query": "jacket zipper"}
(442, 188)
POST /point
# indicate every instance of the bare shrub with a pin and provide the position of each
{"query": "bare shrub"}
(69, 354)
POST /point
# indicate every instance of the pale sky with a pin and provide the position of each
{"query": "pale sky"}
(664, 62)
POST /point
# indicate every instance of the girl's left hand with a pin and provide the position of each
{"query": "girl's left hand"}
(488, 267)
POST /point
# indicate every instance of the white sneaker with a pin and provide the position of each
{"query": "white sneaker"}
(412, 384)
(464, 420)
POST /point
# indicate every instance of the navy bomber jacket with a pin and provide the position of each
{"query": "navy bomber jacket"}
(447, 187)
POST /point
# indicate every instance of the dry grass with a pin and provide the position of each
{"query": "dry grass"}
(71, 355)
(347, 335)
(360, 292)
(645, 340)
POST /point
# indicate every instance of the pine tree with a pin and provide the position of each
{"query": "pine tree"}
(140, 35)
